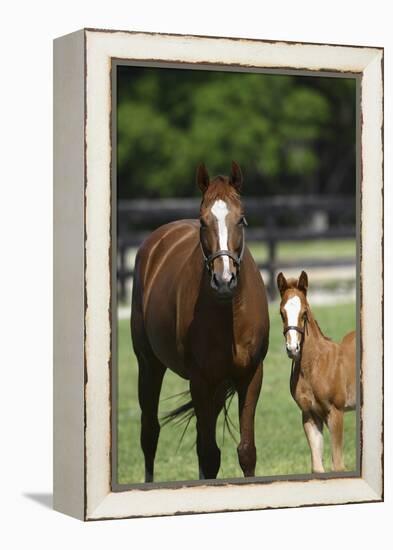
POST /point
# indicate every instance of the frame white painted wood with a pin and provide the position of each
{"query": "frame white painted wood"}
(82, 105)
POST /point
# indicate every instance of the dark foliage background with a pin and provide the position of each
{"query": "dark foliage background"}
(290, 134)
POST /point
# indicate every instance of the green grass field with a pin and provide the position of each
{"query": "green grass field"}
(281, 445)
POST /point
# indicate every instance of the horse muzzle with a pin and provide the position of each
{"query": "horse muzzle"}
(223, 288)
(293, 351)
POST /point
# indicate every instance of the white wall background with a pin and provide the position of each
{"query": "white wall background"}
(27, 30)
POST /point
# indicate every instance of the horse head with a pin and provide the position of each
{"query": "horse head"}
(294, 311)
(222, 229)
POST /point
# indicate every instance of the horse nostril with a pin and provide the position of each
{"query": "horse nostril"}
(214, 281)
(233, 282)
(293, 348)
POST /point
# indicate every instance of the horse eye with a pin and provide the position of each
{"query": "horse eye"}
(242, 221)
(203, 223)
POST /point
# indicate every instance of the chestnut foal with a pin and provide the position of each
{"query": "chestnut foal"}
(323, 379)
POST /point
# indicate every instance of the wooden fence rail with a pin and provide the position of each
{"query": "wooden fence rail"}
(271, 220)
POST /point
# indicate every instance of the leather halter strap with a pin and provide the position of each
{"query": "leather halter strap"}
(212, 257)
(298, 329)
(293, 327)
(237, 260)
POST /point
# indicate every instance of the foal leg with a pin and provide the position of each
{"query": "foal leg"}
(313, 428)
(335, 422)
(151, 373)
(248, 391)
(208, 403)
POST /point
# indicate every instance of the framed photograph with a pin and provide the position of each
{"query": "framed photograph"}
(218, 274)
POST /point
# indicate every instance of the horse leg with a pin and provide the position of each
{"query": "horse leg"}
(335, 422)
(151, 374)
(248, 391)
(208, 403)
(313, 428)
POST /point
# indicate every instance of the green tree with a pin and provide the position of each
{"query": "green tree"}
(289, 133)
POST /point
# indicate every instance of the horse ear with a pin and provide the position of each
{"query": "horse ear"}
(302, 283)
(281, 283)
(202, 178)
(236, 179)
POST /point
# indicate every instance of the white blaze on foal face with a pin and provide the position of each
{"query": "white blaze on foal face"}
(292, 309)
(220, 211)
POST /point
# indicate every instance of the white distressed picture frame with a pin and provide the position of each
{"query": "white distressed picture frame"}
(82, 273)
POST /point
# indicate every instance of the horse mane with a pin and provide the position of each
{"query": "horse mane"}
(317, 325)
(320, 331)
(220, 188)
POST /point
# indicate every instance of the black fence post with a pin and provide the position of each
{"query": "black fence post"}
(271, 267)
(271, 244)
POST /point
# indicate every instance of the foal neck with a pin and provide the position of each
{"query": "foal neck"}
(313, 339)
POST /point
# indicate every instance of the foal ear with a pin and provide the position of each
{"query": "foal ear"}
(202, 178)
(282, 283)
(236, 179)
(302, 283)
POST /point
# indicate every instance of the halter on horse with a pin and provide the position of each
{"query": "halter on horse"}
(237, 260)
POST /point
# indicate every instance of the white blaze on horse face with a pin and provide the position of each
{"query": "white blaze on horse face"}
(220, 211)
(292, 308)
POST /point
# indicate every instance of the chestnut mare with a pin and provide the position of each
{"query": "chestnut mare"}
(199, 308)
(323, 378)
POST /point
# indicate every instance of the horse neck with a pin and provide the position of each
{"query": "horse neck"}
(313, 340)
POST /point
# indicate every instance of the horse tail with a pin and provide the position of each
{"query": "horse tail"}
(181, 414)
(186, 412)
